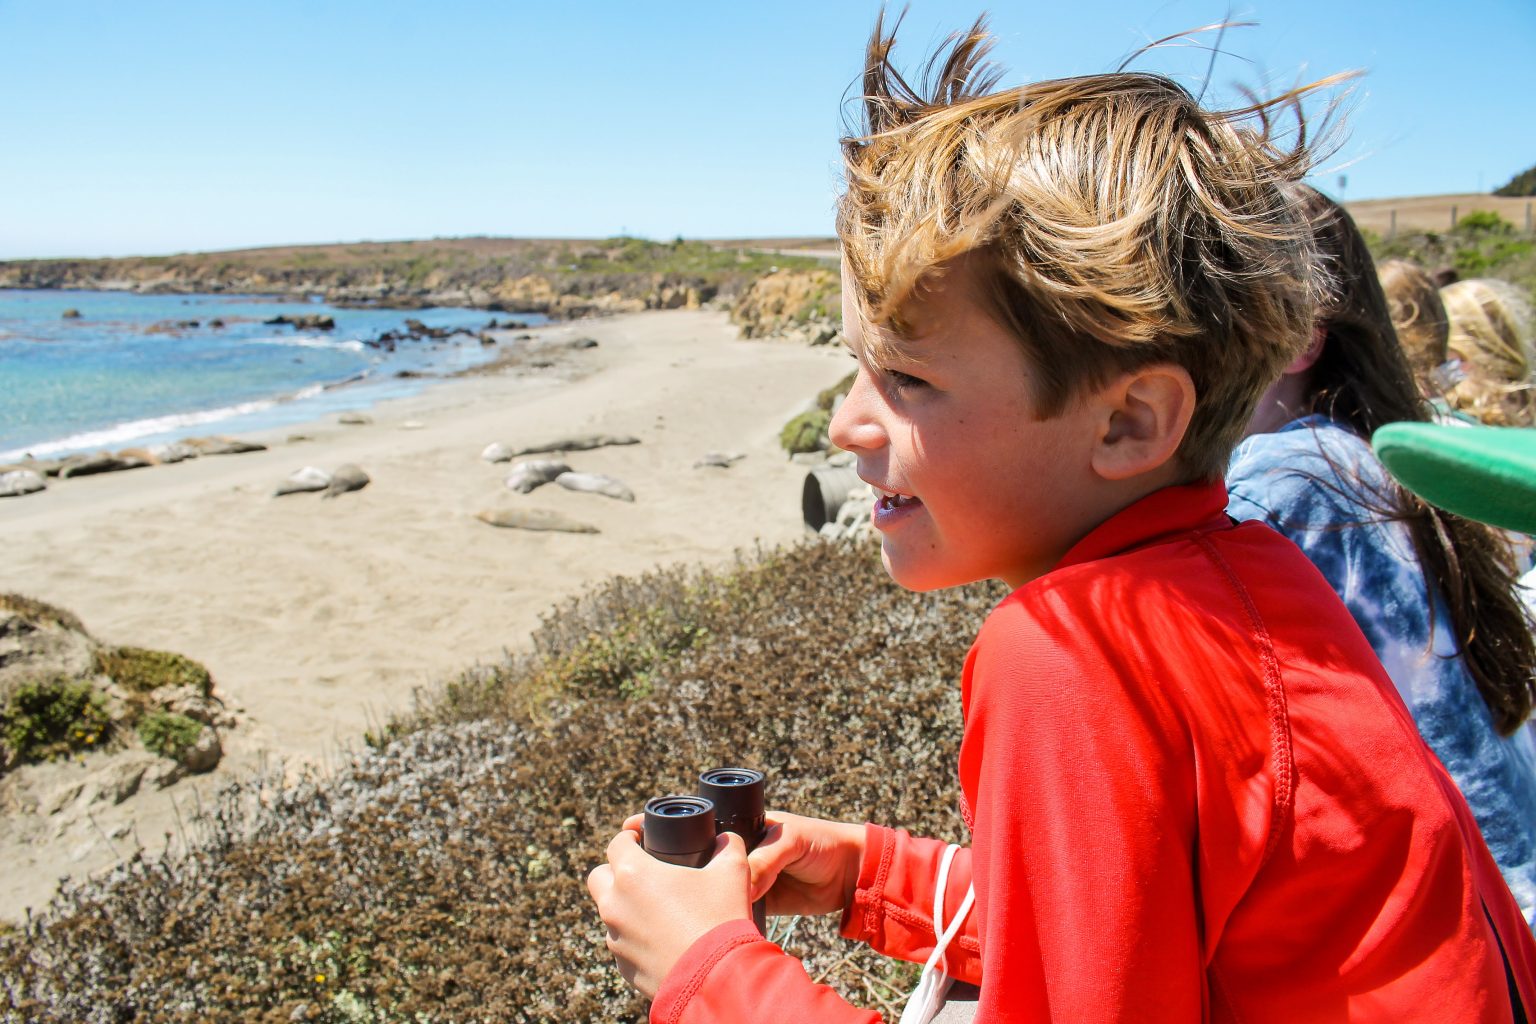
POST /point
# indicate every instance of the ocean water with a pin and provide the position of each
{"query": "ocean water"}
(132, 369)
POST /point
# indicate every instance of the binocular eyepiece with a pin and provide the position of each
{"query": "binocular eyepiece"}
(682, 829)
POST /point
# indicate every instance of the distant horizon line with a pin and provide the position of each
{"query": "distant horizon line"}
(775, 240)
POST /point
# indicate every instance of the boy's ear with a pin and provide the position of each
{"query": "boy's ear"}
(1145, 414)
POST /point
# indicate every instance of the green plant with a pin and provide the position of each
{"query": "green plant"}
(44, 719)
(168, 734)
(806, 432)
(140, 670)
(827, 398)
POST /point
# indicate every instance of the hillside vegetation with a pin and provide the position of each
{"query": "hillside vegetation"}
(560, 278)
(440, 877)
(1482, 244)
(1522, 184)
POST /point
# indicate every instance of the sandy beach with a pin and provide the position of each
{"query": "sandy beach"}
(319, 618)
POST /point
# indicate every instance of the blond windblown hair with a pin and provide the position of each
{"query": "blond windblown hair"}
(1418, 316)
(1118, 224)
(1491, 331)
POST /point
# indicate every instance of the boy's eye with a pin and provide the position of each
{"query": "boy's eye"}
(902, 381)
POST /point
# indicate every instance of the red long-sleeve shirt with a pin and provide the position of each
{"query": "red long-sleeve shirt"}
(1194, 795)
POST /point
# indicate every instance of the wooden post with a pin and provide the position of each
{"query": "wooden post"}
(1392, 227)
(1527, 218)
(1453, 216)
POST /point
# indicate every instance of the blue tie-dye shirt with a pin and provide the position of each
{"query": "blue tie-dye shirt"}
(1306, 480)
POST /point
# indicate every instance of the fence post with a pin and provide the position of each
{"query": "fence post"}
(1527, 218)
(1453, 216)
(1392, 227)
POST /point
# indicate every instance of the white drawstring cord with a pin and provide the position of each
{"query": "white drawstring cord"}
(932, 985)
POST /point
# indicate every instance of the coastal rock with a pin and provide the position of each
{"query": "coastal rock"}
(120, 779)
(526, 476)
(203, 755)
(347, 477)
(306, 322)
(533, 519)
(310, 478)
(70, 314)
(584, 343)
(579, 443)
(104, 462)
(17, 482)
(719, 459)
(497, 452)
(222, 446)
(354, 419)
(596, 483)
(39, 641)
(191, 702)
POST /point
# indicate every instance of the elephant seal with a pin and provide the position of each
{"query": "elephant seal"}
(310, 478)
(596, 483)
(581, 443)
(347, 477)
(532, 519)
(496, 452)
(526, 476)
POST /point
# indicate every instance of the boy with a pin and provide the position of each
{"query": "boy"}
(1191, 789)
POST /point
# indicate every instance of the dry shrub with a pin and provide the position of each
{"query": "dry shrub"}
(440, 877)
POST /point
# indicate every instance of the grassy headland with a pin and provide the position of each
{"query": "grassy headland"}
(557, 277)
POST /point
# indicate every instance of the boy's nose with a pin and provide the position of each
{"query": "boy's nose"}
(854, 426)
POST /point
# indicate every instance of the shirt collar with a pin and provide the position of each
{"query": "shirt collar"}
(1164, 512)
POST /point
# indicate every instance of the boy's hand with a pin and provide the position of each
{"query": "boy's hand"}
(807, 865)
(654, 910)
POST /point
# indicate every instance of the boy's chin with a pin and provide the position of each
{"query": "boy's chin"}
(912, 575)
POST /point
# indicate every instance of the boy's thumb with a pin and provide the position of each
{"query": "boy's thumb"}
(729, 845)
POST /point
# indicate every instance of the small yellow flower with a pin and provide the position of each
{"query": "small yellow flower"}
(320, 978)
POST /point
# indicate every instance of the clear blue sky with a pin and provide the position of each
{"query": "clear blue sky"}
(157, 127)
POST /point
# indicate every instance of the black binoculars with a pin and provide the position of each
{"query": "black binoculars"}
(682, 829)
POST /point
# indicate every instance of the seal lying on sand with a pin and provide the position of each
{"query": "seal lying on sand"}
(525, 476)
(596, 483)
(582, 443)
(310, 478)
(532, 519)
(347, 477)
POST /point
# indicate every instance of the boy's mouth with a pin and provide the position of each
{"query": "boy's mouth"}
(886, 501)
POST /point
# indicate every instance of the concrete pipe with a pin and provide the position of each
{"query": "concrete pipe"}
(826, 488)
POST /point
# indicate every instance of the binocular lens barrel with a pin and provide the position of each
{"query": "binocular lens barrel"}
(737, 794)
(680, 830)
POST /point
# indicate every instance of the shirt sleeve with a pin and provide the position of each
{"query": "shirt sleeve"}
(734, 974)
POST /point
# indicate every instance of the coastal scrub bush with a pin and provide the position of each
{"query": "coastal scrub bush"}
(807, 432)
(49, 718)
(1482, 244)
(168, 734)
(441, 876)
(140, 670)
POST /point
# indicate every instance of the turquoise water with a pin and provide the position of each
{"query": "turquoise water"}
(132, 369)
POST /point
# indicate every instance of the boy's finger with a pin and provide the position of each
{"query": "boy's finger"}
(599, 883)
(635, 822)
(625, 844)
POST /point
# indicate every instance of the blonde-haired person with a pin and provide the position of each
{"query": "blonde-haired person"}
(1193, 793)
(1491, 333)
(1418, 317)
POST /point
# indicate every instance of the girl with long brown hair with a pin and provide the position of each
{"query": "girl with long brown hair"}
(1434, 593)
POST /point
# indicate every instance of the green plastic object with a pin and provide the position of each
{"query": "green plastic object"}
(1482, 473)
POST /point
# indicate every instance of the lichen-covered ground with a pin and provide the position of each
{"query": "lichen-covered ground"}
(441, 876)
